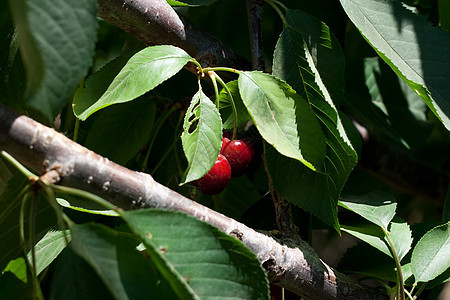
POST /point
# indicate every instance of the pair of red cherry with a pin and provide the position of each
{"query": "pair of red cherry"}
(234, 159)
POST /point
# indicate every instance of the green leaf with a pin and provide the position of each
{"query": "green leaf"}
(46, 251)
(417, 52)
(10, 246)
(201, 137)
(371, 234)
(283, 118)
(12, 287)
(444, 14)
(75, 279)
(403, 110)
(225, 107)
(378, 207)
(57, 43)
(324, 50)
(119, 132)
(48, 248)
(96, 84)
(446, 210)
(298, 59)
(144, 71)
(114, 257)
(190, 2)
(400, 234)
(12, 72)
(86, 206)
(214, 264)
(29, 50)
(369, 261)
(430, 256)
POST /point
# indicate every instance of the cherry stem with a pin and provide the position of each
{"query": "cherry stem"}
(274, 4)
(400, 287)
(213, 76)
(225, 69)
(233, 106)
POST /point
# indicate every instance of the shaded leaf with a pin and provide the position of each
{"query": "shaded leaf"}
(378, 207)
(114, 257)
(214, 264)
(283, 118)
(144, 71)
(371, 234)
(119, 132)
(324, 49)
(225, 107)
(57, 46)
(12, 71)
(201, 137)
(75, 279)
(299, 59)
(401, 108)
(430, 256)
(417, 52)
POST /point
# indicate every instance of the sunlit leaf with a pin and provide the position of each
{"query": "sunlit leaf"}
(201, 137)
(283, 118)
(416, 51)
(430, 256)
(144, 71)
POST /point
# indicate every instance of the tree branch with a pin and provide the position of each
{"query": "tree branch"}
(156, 23)
(289, 262)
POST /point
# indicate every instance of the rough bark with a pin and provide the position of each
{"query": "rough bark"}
(289, 261)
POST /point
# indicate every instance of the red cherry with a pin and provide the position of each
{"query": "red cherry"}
(216, 179)
(239, 153)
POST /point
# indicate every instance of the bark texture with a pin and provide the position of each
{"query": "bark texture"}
(288, 261)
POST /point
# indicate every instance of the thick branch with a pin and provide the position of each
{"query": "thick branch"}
(289, 263)
(156, 23)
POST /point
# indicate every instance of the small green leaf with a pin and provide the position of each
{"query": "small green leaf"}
(430, 256)
(62, 35)
(113, 255)
(48, 248)
(400, 234)
(214, 264)
(225, 107)
(283, 118)
(377, 207)
(201, 137)
(119, 132)
(144, 71)
(85, 206)
(416, 51)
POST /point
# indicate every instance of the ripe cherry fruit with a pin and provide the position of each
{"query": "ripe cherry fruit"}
(239, 153)
(216, 179)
